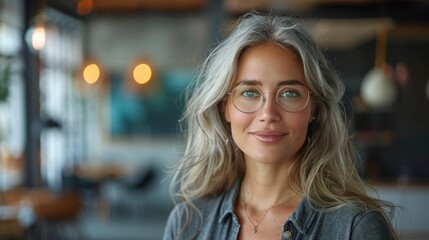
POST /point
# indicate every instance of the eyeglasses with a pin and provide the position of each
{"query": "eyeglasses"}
(249, 99)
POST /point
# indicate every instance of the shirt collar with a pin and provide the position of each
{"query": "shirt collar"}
(228, 203)
(302, 217)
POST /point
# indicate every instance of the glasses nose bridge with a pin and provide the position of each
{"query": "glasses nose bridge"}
(265, 98)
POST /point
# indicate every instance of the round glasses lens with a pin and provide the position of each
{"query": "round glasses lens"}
(293, 98)
(247, 98)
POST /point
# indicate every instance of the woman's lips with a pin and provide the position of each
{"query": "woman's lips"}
(268, 136)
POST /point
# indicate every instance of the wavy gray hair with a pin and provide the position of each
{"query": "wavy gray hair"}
(324, 171)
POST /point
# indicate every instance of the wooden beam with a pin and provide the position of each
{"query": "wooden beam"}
(121, 6)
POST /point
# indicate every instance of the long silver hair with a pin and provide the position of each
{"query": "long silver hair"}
(325, 171)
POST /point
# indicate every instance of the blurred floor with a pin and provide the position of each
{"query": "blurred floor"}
(128, 210)
(129, 218)
(149, 225)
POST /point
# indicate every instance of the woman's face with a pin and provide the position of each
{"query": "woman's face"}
(270, 134)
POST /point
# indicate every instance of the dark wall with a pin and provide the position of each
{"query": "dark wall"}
(398, 146)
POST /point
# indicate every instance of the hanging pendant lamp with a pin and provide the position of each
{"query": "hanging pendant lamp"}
(378, 89)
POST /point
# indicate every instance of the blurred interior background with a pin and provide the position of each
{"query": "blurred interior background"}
(91, 92)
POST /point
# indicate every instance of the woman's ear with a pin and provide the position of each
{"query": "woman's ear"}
(225, 111)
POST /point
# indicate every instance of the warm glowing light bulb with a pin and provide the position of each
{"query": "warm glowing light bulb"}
(84, 7)
(91, 73)
(38, 37)
(142, 73)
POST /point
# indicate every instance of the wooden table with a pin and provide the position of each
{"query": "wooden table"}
(102, 174)
(99, 172)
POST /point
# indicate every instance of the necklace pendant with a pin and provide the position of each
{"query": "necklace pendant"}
(255, 230)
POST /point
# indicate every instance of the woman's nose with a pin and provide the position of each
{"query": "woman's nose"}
(270, 110)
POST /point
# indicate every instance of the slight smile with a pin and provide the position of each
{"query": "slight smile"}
(268, 136)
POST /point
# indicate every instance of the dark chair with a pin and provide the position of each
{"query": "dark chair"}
(141, 180)
(71, 181)
(88, 189)
(134, 191)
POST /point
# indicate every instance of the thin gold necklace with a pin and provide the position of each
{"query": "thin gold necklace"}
(255, 226)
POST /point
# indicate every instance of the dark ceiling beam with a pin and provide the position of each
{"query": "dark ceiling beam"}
(130, 7)
(409, 11)
(67, 7)
(404, 11)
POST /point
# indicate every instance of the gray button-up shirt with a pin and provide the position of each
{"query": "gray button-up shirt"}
(218, 220)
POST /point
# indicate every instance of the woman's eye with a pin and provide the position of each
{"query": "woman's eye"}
(250, 93)
(290, 94)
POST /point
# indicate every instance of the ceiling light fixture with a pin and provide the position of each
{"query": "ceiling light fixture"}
(378, 89)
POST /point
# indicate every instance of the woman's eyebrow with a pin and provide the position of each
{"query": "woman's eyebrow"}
(259, 83)
(249, 82)
(290, 82)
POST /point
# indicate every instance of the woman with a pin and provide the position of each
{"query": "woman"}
(268, 154)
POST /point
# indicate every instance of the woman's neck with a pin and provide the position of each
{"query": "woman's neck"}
(264, 186)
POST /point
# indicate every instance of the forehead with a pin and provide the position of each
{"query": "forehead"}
(269, 63)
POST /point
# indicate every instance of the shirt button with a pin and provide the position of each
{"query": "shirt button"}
(287, 234)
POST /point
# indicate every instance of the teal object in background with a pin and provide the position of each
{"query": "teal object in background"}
(153, 113)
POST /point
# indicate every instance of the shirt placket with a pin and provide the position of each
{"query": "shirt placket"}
(288, 231)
